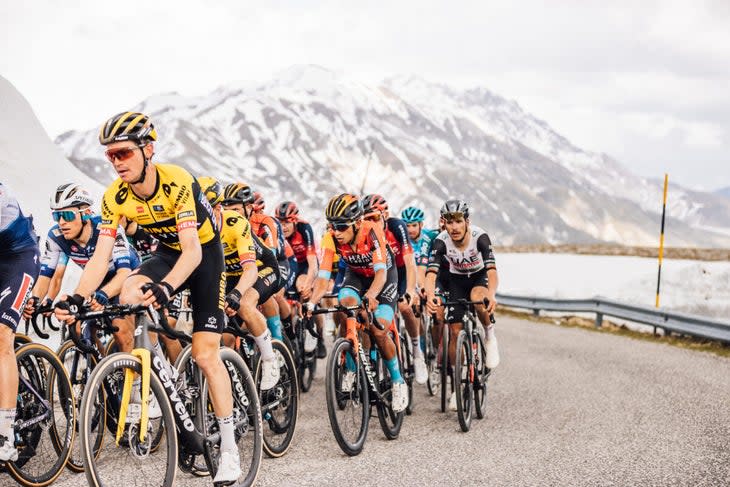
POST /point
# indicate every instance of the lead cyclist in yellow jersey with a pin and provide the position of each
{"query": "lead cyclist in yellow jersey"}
(252, 277)
(166, 201)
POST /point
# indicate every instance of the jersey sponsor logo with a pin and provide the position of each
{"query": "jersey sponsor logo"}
(140, 209)
(166, 189)
(187, 224)
(211, 323)
(75, 248)
(158, 208)
(106, 222)
(6, 292)
(121, 195)
(10, 319)
(185, 214)
(232, 220)
(109, 232)
(26, 286)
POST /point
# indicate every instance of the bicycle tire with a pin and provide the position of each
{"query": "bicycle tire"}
(462, 378)
(431, 360)
(111, 366)
(336, 397)
(78, 384)
(285, 392)
(390, 421)
(192, 464)
(481, 378)
(407, 367)
(245, 404)
(29, 357)
(444, 366)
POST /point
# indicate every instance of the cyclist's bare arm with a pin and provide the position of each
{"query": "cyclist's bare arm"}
(56, 281)
(381, 276)
(97, 267)
(114, 286)
(192, 254)
(248, 278)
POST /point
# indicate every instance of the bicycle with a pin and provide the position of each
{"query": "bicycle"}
(279, 405)
(371, 386)
(470, 374)
(406, 352)
(151, 447)
(45, 404)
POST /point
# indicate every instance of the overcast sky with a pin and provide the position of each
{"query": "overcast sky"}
(646, 82)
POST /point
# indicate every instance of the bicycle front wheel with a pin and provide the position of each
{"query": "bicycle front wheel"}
(133, 461)
(481, 376)
(46, 417)
(463, 373)
(390, 421)
(444, 365)
(348, 407)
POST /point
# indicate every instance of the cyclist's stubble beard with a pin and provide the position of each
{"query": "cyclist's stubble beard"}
(457, 232)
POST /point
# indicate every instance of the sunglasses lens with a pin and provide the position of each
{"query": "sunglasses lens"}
(340, 227)
(119, 154)
(67, 215)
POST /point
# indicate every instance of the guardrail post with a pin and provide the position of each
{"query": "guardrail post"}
(599, 320)
(536, 312)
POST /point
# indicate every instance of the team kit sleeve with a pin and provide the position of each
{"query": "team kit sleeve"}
(308, 235)
(400, 230)
(110, 211)
(121, 252)
(244, 239)
(438, 252)
(182, 194)
(53, 256)
(328, 254)
(484, 246)
(379, 244)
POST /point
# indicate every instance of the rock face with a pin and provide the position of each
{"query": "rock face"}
(310, 133)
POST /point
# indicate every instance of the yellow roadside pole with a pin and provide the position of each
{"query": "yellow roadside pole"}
(661, 240)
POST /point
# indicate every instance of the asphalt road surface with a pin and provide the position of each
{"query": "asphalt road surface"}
(567, 406)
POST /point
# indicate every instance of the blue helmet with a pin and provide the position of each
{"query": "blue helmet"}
(412, 215)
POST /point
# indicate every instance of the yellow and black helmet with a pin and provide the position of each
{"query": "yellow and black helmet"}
(238, 193)
(212, 189)
(343, 208)
(133, 126)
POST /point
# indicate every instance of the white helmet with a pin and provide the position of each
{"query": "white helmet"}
(70, 194)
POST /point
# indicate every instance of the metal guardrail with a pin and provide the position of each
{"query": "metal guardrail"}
(682, 323)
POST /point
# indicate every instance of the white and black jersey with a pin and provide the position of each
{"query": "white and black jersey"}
(477, 256)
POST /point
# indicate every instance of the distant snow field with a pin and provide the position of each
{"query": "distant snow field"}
(689, 286)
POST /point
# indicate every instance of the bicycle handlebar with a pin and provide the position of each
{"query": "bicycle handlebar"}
(464, 302)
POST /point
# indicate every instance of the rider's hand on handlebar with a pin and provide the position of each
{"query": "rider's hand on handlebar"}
(67, 306)
(98, 300)
(432, 304)
(157, 293)
(30, 307)
(492, 303)
(371, 302)
(233, 302)
(307, 308)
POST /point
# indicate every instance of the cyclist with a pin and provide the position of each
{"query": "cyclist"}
(74, 237)
(300, 236)
(465, 253)
(19, 268)
(167, 202)
(370, 277)
(396, 233)
(251, 277)
(239, 197)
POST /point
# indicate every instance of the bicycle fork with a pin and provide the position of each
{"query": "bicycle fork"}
(145, 357)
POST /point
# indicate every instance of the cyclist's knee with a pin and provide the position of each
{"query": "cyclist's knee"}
(206, 358)
(384, 314)
(348, 297)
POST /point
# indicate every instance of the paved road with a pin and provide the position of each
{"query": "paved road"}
(566, 407)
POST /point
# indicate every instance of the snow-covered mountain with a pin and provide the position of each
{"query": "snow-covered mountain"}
(29, 161)
(311, 133)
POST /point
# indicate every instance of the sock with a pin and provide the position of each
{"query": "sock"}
(373, 354)
(394, 370)
(228, 439)
(7, 418)
(263, 341)
(490, 332)
(417, 351)
(350, 363)
(274, 324)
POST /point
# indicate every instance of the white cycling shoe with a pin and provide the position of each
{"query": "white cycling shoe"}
(310, 343)
(8, 452)
(490, 346)
(134, 410)
(348, 381)
(229, 467)
(269, 374)
(419, 364)
(452, 402)
(400, 396)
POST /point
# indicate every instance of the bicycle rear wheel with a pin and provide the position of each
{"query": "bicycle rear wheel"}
(280, 405)
(348, 411)
(463, 373)
(434, 378)
(481, 376)
(444, 349)
(152, 461)
(45, 398)
(407, 367)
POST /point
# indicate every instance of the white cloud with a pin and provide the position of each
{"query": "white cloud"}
(604, 74)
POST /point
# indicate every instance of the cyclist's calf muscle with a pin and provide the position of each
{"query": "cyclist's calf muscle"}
(8, 368)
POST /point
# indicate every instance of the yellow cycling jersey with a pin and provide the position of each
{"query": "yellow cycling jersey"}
(237, 241)
(177, 203)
